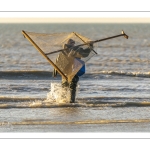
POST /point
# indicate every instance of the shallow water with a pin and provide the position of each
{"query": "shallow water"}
(113, 95)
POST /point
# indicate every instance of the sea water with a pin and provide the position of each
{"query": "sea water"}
(58, 94)
(113, 95)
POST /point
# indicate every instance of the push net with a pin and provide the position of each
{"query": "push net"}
(52, 47)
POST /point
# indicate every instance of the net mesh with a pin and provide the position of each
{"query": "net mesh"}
(68, 62)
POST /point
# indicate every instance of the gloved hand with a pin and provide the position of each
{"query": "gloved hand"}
(90, 43)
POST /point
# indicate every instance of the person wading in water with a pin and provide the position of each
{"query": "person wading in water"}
(75, 53)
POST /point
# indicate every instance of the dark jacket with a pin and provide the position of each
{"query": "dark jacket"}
(67, 56)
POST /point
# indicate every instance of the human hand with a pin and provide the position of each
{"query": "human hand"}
(90, 43)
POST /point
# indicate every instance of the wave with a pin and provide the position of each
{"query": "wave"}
(17, 75)
(25, 74)
(18, 99)
(7, 103)
(122, 73)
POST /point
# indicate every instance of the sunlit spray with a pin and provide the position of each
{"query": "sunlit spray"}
(58, 94)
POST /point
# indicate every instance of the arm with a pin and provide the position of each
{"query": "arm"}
(86, 52)
(79, 52)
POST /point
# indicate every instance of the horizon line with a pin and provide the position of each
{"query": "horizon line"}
(74, 20)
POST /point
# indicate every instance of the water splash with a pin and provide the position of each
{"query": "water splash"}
(58, 94)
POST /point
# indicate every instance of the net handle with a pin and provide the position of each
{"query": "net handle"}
(35, 45)
(122, 34)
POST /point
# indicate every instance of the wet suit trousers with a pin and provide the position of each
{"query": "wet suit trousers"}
(72, 86)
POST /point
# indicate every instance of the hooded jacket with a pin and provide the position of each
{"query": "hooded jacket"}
(75, 53)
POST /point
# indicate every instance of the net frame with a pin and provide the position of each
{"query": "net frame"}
(50, 43)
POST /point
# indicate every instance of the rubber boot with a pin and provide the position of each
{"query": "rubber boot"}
(72, 96)
(73, 86)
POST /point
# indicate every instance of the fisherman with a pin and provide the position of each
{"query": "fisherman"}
(73, 53)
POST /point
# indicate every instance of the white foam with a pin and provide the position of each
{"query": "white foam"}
(58, 94)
